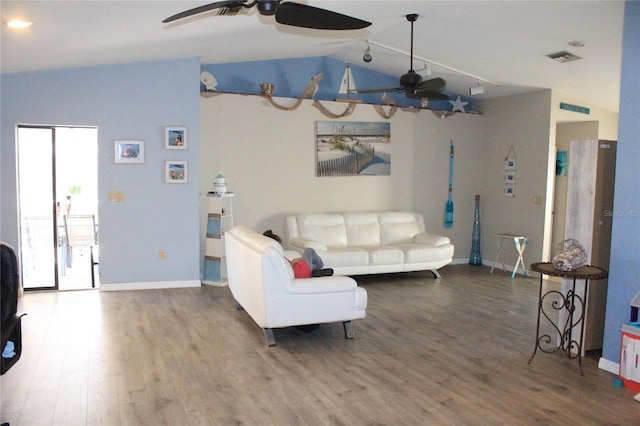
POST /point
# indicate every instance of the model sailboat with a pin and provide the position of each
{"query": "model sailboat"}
(348, 86)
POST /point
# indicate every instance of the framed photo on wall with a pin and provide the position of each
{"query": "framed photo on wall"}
(353, 148)
(176, 171)
(175, 138)
(128, 152)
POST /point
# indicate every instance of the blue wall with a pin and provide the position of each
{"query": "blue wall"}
(624, 279)
(291, 76)
(129, 101)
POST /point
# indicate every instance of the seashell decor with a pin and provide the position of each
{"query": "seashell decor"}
(570, 256)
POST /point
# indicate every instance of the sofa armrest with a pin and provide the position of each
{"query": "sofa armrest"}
(318, 285)
(431, 239)
(303, 243)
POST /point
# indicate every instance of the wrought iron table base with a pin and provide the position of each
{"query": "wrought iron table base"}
(572, 348)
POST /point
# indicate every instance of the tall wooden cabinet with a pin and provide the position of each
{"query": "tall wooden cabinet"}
(589, 220)
(219, 220)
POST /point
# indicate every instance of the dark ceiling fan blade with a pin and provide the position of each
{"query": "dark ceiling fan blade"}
(429, 94)
(230, 4)
(379, 90)
(302, 15)
(434, 85)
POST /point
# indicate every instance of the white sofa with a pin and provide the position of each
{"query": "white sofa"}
(357, 243)
(262, 283)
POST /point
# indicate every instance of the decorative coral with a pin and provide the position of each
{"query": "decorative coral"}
(570, 255)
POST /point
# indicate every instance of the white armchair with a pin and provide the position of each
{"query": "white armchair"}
(262, 283)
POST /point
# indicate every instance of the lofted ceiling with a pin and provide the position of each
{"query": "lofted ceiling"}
(502, 42)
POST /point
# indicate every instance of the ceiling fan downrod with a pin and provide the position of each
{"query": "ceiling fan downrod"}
(412, 17)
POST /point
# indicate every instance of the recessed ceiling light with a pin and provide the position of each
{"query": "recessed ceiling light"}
(19, 24)
(576, 43)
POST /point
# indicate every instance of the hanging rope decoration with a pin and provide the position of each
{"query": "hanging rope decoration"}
(268, 91)
(347, 111)
(442, 114)
(284, 108)
(384, 114)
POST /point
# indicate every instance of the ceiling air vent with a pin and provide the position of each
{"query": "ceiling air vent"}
(564, 57)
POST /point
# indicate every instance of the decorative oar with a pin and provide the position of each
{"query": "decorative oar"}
(448, 212)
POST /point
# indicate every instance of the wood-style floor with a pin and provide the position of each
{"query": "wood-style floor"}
(452, 351)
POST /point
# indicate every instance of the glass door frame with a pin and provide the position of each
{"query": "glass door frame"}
(56, 177)
(53, 211)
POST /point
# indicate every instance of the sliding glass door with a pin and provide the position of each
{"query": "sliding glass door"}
(57, 178)
(38, 236)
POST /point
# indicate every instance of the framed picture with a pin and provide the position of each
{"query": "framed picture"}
(510, 177)
(510, 191)
(510, 164)
(176, 171)
(129, 152)
(175, 138)
(353, 148)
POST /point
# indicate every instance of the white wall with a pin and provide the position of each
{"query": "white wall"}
(268, 158)
(607, 120)
(528, 123)
(520, 121)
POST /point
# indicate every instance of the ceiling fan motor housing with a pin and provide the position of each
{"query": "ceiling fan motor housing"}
(267, 7)
(410, 79)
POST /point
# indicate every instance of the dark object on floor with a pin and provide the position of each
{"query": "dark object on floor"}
(308, 328)
(326, 272)
(11, 319)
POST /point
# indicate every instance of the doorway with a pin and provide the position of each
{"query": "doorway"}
(57, 185)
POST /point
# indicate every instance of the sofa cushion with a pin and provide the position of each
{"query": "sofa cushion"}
(398, 227)
(384, 255)
(328, 228)
(420, 253)
(363, 228)
(344, 256)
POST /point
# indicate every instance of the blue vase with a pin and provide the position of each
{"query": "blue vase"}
(475, 258)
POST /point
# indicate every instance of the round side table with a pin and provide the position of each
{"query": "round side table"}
(569, 301)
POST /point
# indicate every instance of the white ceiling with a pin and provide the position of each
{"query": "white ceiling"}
(501, 41)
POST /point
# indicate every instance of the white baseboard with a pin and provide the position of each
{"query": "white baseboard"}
(149, 285)
(610, 366)
(463, 261)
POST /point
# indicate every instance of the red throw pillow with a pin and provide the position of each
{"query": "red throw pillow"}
(301, 268)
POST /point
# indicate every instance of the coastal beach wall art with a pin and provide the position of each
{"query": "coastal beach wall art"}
(175, 138)
(353, 148)
(128, 152)
(176, 171)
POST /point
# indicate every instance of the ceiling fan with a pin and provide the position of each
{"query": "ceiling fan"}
(286, 13)
(412, 83)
